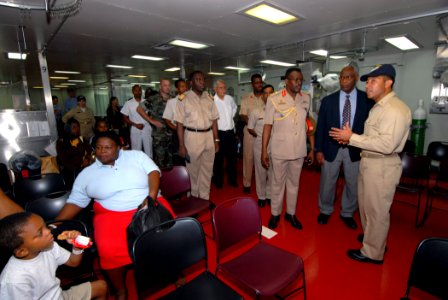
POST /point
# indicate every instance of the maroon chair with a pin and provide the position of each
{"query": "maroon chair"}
(264, 268)
(175, 187)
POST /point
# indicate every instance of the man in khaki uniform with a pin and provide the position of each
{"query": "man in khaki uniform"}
(197, 129)
(285, 119)
(385, 133)
(248, 104)
(82, 114)
(255, 127)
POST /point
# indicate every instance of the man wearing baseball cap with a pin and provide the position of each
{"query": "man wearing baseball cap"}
(385, 133)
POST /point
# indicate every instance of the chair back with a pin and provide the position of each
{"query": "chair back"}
(429, 269)
(33, 188)
(57, 227)
(160, 254)
(416, 167)
(442, 175)
(5, 181)
(409, 147)
(234, 221)
(49, 206)
(175, 182)
(437, 150)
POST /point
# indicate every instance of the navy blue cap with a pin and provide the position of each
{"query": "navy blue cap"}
(385, 69)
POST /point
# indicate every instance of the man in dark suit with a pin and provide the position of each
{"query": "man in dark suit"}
(349, 105)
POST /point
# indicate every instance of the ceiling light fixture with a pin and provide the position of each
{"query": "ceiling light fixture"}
(269, 13)
(236, 68)
(61, 86)
(277, 63)
(67, 83)
(320, 52)
(67, 72)
(38, 87)
(119, 80)
(216, 73)
(137, 76)
(154, 82)
(59, 77)
(173, 69)
(188, 44)
(337, 56)
(402, 42)
(76, 80)
(16, 55)
(118, 67)
(153, 58)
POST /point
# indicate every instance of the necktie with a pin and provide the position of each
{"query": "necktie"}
(346, 112)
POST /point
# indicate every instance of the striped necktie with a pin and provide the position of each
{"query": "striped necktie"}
(346, 112)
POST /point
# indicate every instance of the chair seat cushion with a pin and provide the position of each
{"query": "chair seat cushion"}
(189, 206)
(440, 191)
(206, 286)
(265, 268)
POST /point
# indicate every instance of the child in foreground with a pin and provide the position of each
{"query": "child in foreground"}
(31, 272)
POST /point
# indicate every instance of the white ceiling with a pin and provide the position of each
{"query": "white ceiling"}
(111, 31)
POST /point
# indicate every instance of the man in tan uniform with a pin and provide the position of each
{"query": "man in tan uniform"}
(197, 129)
(285, 119)
(385, 134)
(248, 104)
(82, 114)
(255, 127)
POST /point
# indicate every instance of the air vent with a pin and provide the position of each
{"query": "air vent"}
(163, 47)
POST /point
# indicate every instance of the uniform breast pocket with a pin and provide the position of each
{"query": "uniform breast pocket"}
(278, 137)
(191, 113)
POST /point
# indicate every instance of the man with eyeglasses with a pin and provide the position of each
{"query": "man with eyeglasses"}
(285, 118)
(349, 105)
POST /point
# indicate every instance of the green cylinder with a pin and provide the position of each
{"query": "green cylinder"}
(418, 135)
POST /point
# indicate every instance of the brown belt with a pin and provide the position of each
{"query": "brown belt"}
(376, 155)
(198, 130)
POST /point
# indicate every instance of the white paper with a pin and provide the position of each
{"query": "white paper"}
(32, 128)
(44, 128)
(267, 233)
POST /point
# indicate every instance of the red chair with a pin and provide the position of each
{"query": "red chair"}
(175, 187)
(264, 268)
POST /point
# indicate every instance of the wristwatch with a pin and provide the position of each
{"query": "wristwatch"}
(217, 140)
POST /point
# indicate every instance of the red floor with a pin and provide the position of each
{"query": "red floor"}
(330, 274)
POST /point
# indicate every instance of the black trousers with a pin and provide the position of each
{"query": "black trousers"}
(228, 152)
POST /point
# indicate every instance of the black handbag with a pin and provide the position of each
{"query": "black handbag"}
(146, 217)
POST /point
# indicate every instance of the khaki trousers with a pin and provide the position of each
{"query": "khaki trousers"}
(262, 176)
(248, 157)
(201, 149)
(285, 173)
(377, 180)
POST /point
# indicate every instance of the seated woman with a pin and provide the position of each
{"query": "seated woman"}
(74, 152)
(118, 181)
(101, 125)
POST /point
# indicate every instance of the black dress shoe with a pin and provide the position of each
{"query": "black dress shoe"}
(294, 221)
(261, 203)
(246, 189)
(268, 201)
(357, 255)
(273, 222)
(349, 222)
(323, 218)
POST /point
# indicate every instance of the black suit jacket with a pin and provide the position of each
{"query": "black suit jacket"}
(329, 116)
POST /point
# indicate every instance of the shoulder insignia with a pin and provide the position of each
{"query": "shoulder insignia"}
(284, 93)
(181, 97)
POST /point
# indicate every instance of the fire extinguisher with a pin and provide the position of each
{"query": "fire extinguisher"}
(418, 127)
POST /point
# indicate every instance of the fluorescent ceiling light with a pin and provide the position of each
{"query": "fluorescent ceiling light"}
(38, 87)
(236, 68)
(59, 77)
(154, 82)
(16, 55)
(173, 69)
(188, 44)
(216, 73)
(61, 86)
(76, 80)
(118, 67)
(137, 76)
(67, 83)
(119, 80)
(55, 88)
(337, 56)
(67, 72)
(402, 43)
(277, 63)
(320, 52)
(140, 83)
(103, 88)
(153, 58)
(271, 14)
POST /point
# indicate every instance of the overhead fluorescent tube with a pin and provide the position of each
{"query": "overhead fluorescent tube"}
(320, 52)
(16, 55)
(268, 13)
(67, 83)
(402, 43)
(153, 58)
(236, 68)
(188, 44)
(76, 80)
(277, 63)
(337, 56)
(59, 77)
(118, 67)
(173, 69)
(67, 72)
(119, 80)
(216, 73)
(137, 76)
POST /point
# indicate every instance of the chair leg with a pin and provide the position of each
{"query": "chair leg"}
(417, 224)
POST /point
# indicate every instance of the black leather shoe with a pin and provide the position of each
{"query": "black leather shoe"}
(246, 189)
(357, 255)
(261, 202)
(323, 218)
(349, 222)
(294, 221)
(268, 201)
(273, 222)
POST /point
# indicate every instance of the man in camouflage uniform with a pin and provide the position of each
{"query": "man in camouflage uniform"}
(161, 137)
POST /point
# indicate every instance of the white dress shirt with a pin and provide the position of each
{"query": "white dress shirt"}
(227, 109)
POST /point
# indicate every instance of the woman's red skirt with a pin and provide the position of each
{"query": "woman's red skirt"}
(110, 234)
